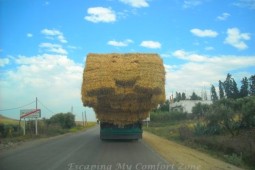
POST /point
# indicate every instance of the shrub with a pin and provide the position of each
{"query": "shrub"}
(185, 132)
(200, 109)
(203, 129)
(234, 159)
(159, 116)
(9, 130)
(65, 120)
(231, 115)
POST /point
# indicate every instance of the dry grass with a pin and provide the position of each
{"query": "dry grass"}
(182, 156)
(123, 88)
(8, 121)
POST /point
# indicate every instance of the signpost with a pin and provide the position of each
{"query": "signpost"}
(147, 120)
(30, 113)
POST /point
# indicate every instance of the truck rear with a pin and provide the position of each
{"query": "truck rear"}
(130, 131)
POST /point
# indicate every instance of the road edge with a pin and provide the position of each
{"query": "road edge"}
(184, 157)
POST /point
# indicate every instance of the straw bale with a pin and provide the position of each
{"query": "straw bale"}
(123, 88)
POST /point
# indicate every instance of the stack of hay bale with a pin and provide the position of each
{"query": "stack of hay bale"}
(123, 88)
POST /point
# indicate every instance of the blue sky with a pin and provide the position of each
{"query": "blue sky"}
(44, 43)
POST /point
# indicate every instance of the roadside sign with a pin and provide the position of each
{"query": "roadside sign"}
(30, 113)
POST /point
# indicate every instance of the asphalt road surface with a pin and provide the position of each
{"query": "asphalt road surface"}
(82, 151)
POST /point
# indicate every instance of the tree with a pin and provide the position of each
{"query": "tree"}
(194, 96)
(178, 96)
(221, 113)
(200, 109)
(183, 96)
(65, 120)
(232, 114)
(244, 91)
(230, 87)
(221, 90)
(214, 96)
(164, 106)
(235, 92)
(252, 85)
(247, 112)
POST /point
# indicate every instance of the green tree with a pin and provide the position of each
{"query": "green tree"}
(252, 85)
(178, 96)
(200, 109)
(183, 96)
(230, 87)
(247, 112)
(65, 120)
(214, 96)
(194, 96)
(221, 90)
(235, 90)
(231, 115)
(244, 91)
(165, 106)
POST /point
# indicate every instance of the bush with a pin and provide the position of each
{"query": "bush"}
(200, 109)
(65, 120)
(231, 115)
(202, 129)
(159, 116)
(9, 130)
(185, 133)
(234, 159)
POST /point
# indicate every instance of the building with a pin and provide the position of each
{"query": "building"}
(187, 105)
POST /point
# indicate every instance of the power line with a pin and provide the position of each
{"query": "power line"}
(44, 106)
(17, 107)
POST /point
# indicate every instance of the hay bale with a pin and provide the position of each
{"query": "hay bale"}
(123, 88)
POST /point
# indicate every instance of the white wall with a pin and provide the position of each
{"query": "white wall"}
(187, 105)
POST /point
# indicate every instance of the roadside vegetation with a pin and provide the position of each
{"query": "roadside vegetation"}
(11, 131)
(224, 129)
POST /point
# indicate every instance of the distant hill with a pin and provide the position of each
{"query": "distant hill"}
(7, 120)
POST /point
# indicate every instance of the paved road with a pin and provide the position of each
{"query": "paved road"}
(82, 151)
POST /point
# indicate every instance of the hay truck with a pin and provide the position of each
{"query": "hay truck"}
(122, 89)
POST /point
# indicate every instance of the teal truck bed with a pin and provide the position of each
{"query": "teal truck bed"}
(130, 131)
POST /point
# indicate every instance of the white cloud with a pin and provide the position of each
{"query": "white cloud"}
(150, 44)
(4, 61)
(54, 79)
(29, 35)
(191, 3)
(54, 34)
(223, 16)
(181, 54)
(120, 43)
(136, 3)
(100, 14)
(236, 39)
(201, 70)
(55, 48)
(204, 33)
(209, 48)
(164, 55)
(245, 4)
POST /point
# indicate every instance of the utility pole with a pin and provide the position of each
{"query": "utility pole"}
(36, 132)
(24, 126)
(82, 119)
(72, 109)
(85, 118)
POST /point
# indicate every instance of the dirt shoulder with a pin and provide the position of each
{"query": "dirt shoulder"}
(184, 157)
